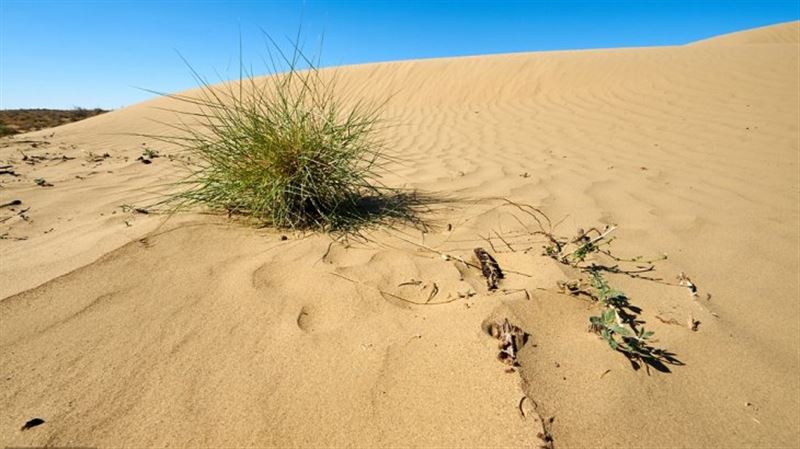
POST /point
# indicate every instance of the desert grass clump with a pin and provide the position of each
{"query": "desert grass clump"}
(285, 151)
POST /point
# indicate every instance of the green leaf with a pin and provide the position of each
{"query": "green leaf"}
(621, 330)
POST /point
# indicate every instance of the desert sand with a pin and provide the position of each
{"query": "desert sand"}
(122, 329)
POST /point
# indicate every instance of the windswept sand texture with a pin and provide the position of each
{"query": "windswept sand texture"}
(200, 332)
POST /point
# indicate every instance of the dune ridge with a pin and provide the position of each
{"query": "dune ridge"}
(782, 33)
(122, 330)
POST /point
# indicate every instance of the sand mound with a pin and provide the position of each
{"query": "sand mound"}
(121, 330)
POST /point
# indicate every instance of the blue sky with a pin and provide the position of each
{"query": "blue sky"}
(63, 54)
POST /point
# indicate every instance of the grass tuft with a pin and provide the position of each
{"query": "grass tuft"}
(286, 151)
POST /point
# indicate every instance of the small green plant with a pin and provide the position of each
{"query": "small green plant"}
(633, 344)
(617, 325)
(618, 322)
(150, 153)
(286, 151)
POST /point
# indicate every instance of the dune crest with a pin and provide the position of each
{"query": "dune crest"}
(784, 33)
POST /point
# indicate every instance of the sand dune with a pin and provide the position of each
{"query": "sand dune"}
(784, 33)
(121, 329)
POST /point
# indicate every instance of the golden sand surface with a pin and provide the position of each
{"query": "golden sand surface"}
(122, 330)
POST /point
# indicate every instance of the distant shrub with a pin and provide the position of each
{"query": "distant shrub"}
(15, 121)
(6, 130)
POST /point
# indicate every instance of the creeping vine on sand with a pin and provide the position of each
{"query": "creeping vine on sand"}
(618, 323)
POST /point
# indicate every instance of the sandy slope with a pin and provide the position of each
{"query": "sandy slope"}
(207, 333)
(782, 33)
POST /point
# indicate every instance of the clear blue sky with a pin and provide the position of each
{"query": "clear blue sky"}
(62, 54)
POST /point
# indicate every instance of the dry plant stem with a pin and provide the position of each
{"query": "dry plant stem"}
(433, 293)
(519, 406)
(619, 259)
(327, 251)
(596, 239)
(504, 241)
(411, 282)
(672, 321)
(400, 298)
(517, 290)
(489, 241)
(582, 234)
(460, 259)
(537, 216)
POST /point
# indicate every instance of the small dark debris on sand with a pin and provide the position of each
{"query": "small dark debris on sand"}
(92, 157)
(7, 236)
(148, 155)
(32, 159)
(7, 170)
(685, 281)
(511, 338)
(20, 214)
(694, 324)
(489, 267)
(32, 423)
